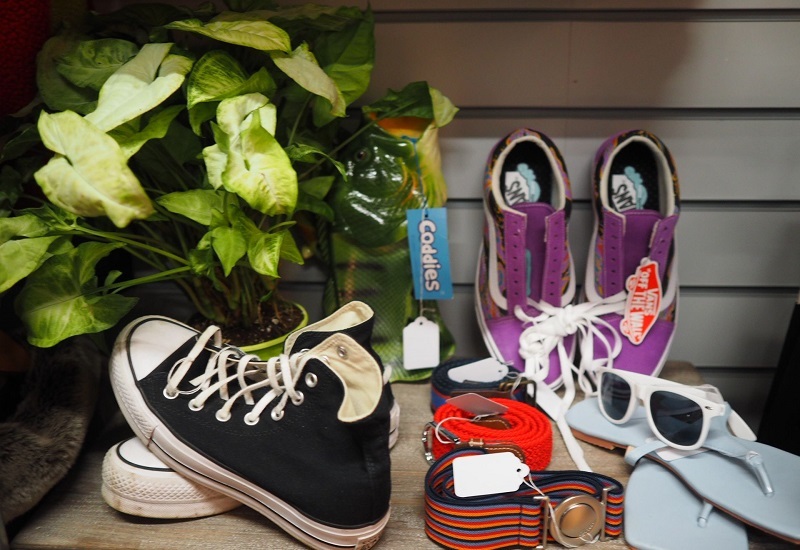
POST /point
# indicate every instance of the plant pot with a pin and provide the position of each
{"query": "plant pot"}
(274, 347)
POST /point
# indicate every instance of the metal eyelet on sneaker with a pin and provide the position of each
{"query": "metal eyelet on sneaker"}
(299, 400)
(250, 420)
(195, 406)
(276, 414)
(311, 379)
(341, 351)
(222, 417)
(170, 395)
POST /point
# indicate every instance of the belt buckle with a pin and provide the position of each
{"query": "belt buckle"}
(427, 444)
(577, 520)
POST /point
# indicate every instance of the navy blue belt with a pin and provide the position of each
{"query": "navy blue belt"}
(443, 387)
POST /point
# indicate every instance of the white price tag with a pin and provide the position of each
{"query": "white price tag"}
(421, 344)
(485, 370)
(488, 474)
(477, 405)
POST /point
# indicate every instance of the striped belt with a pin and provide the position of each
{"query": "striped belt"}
(571, 507)
(523, 430)
(443, 387)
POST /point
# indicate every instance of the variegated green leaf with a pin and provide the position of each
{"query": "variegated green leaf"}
(21, 257)
(156, 128)
(302, 67)
(92, 62)
(260, 172)
(140, 85)
(229, 245)
(59, 299)
(89, 175)
(196, 204)
(232, 113)
(260, 35)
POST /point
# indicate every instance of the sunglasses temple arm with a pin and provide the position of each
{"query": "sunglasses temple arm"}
(739, 427)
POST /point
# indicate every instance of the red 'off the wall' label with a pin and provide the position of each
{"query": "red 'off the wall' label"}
(643, 302)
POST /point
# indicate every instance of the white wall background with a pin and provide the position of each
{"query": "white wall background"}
(718, 81)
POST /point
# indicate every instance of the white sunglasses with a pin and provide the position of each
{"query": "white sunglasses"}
(678, 415)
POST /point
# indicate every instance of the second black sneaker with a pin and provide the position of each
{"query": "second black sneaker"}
(294, 437)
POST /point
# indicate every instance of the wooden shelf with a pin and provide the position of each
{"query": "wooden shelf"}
(74, 514)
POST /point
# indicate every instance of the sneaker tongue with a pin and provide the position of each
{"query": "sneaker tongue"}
(535, 244)
(639, 226)
(358, 372)
(306, 339)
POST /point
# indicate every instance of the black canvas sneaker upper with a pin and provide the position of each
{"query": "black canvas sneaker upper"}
(308, 429)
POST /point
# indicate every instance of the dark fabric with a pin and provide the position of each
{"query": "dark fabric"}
(780, 423)
(308, 459)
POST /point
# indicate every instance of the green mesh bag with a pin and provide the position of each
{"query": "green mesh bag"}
(392, 166)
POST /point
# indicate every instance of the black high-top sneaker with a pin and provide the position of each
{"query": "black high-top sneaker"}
(357, 320)
(293, 437)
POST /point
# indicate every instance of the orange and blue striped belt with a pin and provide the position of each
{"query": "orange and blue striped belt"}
(567, 507)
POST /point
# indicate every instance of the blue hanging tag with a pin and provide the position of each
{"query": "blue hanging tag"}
(430, 254)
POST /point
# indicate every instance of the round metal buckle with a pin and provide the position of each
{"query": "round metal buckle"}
(577, 521)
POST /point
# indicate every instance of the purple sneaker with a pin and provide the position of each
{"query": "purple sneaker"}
(632, 264)
(525, 271)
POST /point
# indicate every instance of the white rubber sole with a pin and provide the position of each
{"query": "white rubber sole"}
(187, 462)
(135, 482)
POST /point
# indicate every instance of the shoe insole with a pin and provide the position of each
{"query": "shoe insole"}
(527, 175)
(633, 179)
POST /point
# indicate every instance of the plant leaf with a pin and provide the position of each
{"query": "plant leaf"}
(89, 176)
(416, 99)
(141, 84)
(24, 225)
(216, 161)
(289, 250)
(218, 75)
(232, 113)
(156, 128)
(230, 246)
(264, 252)
(92, 62)
(302, 67)
(196, 204)
(260, 172)
(11, 186)
(317, 187)
(303, 152)
(315, 205)
(348, 58)
(27, 136)
(59, 299)
(260, 35)
(56, 91)
(21, 257)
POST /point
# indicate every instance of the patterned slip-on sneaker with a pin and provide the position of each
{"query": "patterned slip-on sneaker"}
(255, 430)
(135, 482)
(632, 263)
(525, 273)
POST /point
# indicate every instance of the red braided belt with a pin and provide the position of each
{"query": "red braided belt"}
(522, 430)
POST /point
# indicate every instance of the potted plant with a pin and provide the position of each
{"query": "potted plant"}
(193, 141)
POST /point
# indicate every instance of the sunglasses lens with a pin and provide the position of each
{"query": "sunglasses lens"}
(679, 419)
(615, 395)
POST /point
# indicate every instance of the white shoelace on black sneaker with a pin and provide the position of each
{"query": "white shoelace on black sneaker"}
(546, 332)
(280, 374)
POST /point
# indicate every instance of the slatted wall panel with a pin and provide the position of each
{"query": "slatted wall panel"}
(718, 81)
